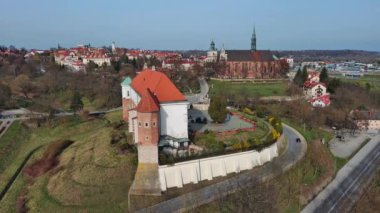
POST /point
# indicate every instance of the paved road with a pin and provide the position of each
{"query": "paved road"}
(6, 123)
(202, 96)
(343, 192)
(293, 153)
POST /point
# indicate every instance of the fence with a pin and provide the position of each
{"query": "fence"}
(194, 171)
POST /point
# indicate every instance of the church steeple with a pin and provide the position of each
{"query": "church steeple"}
(253, 39)
(212, 46)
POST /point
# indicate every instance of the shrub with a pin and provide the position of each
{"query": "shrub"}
(117, 136)
(135, 160)
(218, 109)
(248, 111)
(276, 123)
(242, 145)
(207, 131)
(166, 159)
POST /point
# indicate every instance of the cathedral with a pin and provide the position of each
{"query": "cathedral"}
(253, 63)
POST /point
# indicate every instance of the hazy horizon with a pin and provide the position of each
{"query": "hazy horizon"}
(191, 25)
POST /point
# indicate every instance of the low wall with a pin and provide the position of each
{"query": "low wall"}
(194, 171)
(202, 107)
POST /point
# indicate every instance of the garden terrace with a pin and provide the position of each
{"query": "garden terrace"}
(213, 143)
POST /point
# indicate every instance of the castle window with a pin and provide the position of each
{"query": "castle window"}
(146, 138)
(146, 125)
(140, 124)
(154, 123)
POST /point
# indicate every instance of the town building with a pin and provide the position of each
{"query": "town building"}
(78, 57)
(212, 53)
(184, 64)
(252, 63)
(368, 120)
(315, 91)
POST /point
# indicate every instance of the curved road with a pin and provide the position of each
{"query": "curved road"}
(201, 97)
(294, 152)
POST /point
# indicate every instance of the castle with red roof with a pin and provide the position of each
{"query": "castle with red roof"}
(156, 112)
(157, 115)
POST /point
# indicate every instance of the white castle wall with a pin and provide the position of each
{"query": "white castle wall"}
(194, 171)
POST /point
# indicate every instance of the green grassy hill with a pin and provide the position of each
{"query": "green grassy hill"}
(91, 175)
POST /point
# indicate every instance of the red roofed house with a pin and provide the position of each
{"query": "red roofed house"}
(315, 91)
(155, 110)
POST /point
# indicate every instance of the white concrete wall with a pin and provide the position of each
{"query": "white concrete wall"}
(194, 171)
(173, 119)
(202, 107)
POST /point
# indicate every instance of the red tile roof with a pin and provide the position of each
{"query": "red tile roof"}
(311, 84)
(325, 99)
(159, 84)
(148, 103)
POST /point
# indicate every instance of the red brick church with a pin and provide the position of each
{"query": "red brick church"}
(253, 63)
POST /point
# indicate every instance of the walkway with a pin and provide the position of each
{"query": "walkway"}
(343, 192)
(202, 96)
(5, 124)
(191, 200)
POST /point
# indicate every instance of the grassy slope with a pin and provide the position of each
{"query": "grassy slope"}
(373, 80)
(252, 89)
(90, 177)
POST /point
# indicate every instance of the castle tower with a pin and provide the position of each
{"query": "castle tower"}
(147, 129)
(253, 40)
(147, 181)
(127, 103)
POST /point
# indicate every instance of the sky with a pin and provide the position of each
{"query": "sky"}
(192, 24)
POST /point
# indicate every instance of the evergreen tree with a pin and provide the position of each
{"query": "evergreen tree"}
(218, 109)
(76, 102)
(304, 74)
(324, 76)
(333, 85)
(297, 80)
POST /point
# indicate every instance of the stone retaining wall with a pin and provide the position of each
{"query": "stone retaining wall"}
(194, 171)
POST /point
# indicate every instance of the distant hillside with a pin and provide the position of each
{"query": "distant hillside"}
(333, 55)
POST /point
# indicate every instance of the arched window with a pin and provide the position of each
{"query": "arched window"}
(146, 124)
